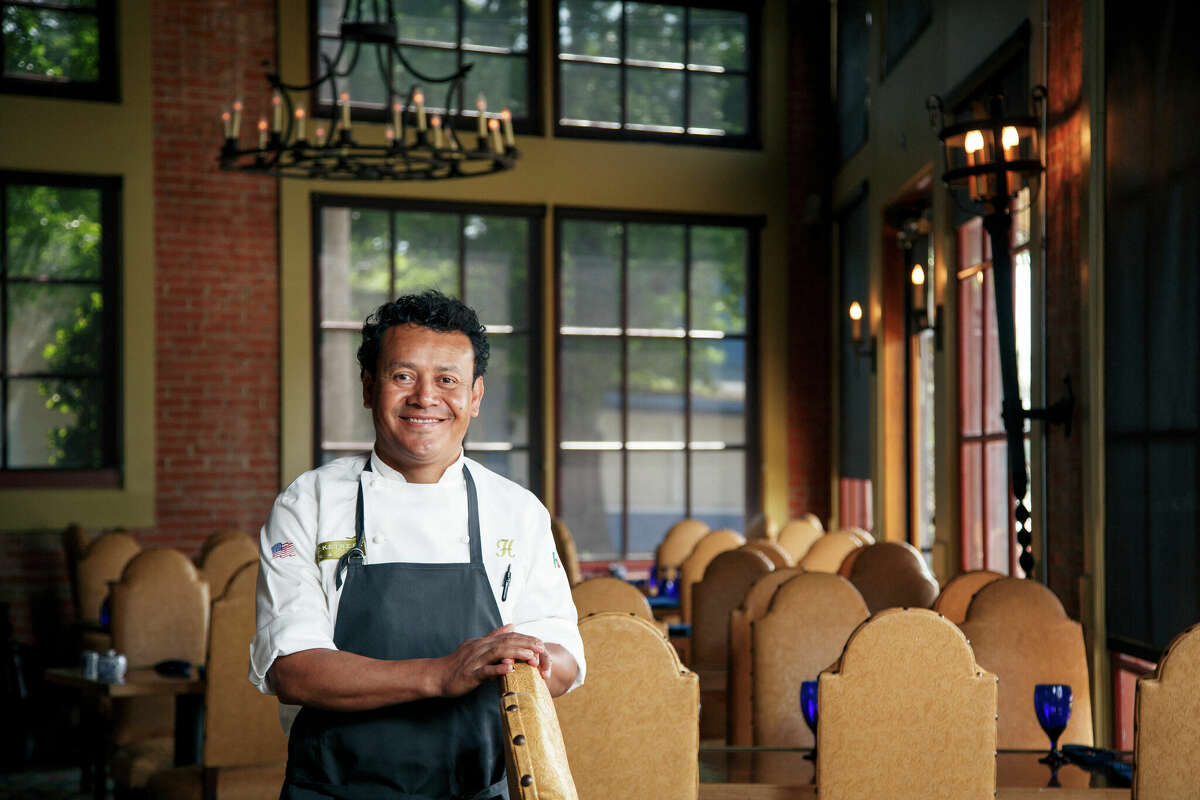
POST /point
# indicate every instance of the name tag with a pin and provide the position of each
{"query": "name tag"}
(334, 549)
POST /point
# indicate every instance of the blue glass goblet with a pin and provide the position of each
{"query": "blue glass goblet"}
(1052, 703)
(808, 707)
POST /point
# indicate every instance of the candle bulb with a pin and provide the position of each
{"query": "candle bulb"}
(855, 321)
(320, 134)
(345, 100)
(419, 99)
(237, 119)
(973, 144)
(1009, 138)
(918, 282)
(396, 107)
(494, 128)
(226, 123)
(506, 116)
(262, 133)
(391, 135)
(277, 112)
(437, 130)
(300, 123)
(481, 104)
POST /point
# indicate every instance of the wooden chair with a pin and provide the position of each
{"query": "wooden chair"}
(219, 563)
(633, 727)
(893, 575)
(777, 555)
(738, 686)
(905, 689)
(1167, 723)
(728, 577)
(605, 593)
(564, 543)
(692, 570)
(798, 536)
(828, 552)
(814, 520)
(534, 753)
(956, 595)
(1021, 633)
(677, 545)
(218, 537)
(245, 751)
(101, 565)
(862, 535)
(803, 631)
(760, 528)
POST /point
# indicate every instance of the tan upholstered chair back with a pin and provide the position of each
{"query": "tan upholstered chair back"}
(1021, 633)
(220, 562)
(863, 536)
(606, 593)
(694, 566)
(739, 683)
(564, 543)
(1167, 723)
(798, 536)
(722, 589)
(633, 728)
(814, 520)
(534, 753)
(760, 528)
(908, 700)
(893, 575)
(678, 544)
(778, 556)
(828, 552)
(218, 537)
(956, 595)
(102, 563)
(802, 633)
(160, 609)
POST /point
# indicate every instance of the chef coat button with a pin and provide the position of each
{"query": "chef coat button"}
(377, 538)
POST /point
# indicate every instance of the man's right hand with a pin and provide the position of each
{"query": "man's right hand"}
(477, 660)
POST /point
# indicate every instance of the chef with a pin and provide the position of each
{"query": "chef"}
(395, 587)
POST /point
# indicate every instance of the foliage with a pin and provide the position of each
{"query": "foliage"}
(51, 44)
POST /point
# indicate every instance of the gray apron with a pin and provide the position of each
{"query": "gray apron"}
(444, 747)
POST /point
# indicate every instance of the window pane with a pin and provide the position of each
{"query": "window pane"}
(427, 252)
(971, 499)
(51, 44)
(591, 273)
(53, 232)
(428, 20)
(718, 102)
(654, 97)
(654, 32)
(355, 263)
(718, 38)
(436, 63)
(656, 390)
(513, 464)
(504, 412)
(590, 92)
(970, 355)
(1023, 315)
(343, 418)
(718, 279)
(656, 499)
(589, 28)
(719, 391)
(55, 423)
(54, 328)
(495, 23)
(502, 80)
(590, 388)
(329, 16)
(590, 481)
(719, 488)
(365, 85)
(654, 283)
(999, 529)
(993, 391)
(497, 258)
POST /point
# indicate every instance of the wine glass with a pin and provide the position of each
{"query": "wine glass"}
(1052, 703)
(808, 707)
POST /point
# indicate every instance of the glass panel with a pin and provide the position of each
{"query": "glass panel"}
(993, 388)
(656, 499)
(502, 79)
(718, 38)
(590, 92)
(719, 488)
(1021, 218)
(1022, 313)
(72, 3)
(719, 391)
(654, 97)
(329, 16)
(718, 279)
(590, 486)
(427, 252)
(970, 497)
(654, 32)
(436, 63)
(718, 102)
(497, 261)
(355, 263)
(1128, 600)
(591, 273)
(970, 243)
(654, 282)
(999, 506)
(1172, 292)
(496, 23)
(54, 328)
(51, 44)
(589, 28)
(53, 231)
(504, 412)
(656, 390)
(55, 423)
(924, 441)
(1172, 521)
(364, 83)
(428, 20)
(513, 464)
(970, 356)
(343, 418)
(590, 388)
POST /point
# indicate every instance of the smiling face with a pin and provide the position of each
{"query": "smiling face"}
(422, 398)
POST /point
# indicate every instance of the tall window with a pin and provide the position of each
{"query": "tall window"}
(59, 321)
(370, 251)
(62, 49)
(655, 345)
(855, 506)
(657, 71)
(986, 503)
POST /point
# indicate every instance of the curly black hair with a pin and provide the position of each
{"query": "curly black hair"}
(429, 309)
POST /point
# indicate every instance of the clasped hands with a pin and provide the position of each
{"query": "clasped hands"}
(477, 660)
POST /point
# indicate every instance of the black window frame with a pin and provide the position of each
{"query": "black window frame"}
(535, 214)
(753, 225)
(750, 140)
(529, 125)
(106, 88)
(110, 374)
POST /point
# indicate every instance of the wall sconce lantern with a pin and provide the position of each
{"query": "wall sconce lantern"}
(864, 346)
(923, 315)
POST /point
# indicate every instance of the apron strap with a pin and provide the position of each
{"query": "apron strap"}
(473, 518)
(496, 790)
(360, 539)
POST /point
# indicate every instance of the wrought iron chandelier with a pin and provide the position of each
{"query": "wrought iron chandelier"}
(416, 145)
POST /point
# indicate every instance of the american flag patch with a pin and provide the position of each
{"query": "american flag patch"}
(282, 550)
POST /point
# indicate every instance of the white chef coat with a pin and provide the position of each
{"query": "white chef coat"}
(312, 523)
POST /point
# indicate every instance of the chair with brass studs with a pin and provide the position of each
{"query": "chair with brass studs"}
(534, 753)
(692, 570)
(956, 595)
(1167, 723)
(828, 552)
(892, 575)
(798, 536)
(739, 683)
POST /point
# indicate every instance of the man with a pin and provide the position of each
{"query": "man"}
(393, 588)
